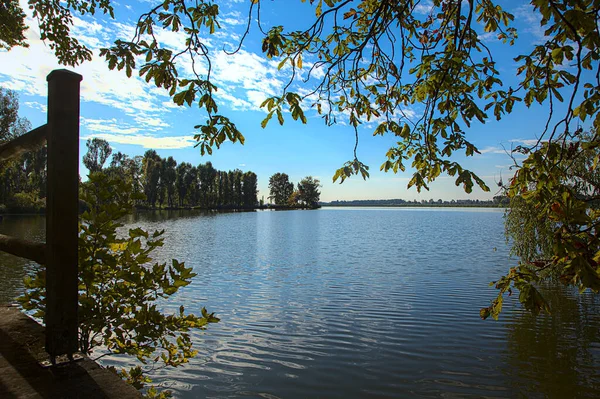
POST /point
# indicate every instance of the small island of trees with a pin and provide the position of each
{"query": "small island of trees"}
(283, 195)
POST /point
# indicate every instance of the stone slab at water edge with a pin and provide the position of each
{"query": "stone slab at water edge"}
(21, 376)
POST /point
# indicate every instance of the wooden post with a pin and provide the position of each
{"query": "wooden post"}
(62, 213)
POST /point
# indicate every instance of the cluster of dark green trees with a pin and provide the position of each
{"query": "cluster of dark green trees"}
(282, 191)
(22, 179)
(165, 183)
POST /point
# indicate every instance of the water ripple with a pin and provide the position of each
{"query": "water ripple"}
(348, 303)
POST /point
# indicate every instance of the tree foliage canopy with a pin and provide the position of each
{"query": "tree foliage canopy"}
(280, 188)
(11, 124)
(161, 179)
(554, 221)
(436, 59)
(97, 154)
(378, 58)
(22, 179)
(308, 191)
(12, 25)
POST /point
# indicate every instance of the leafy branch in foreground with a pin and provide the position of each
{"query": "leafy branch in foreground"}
(120, 286)
(554, 223)
(366, 61)
(12, 25)
(381, 58)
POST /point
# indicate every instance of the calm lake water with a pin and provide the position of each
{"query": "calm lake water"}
(344, 303)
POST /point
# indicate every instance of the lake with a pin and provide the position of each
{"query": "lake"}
(358, 302)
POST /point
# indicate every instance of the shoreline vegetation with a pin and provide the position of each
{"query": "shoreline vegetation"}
(226, 208)
(274, 207)
(12, 211)
(157, 182)
(496, 202)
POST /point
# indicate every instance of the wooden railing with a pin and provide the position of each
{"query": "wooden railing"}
(59, 253)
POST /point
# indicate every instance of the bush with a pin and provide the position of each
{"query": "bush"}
(26, 202)
(119, 285)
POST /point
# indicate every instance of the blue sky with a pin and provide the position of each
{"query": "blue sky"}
(135, 116)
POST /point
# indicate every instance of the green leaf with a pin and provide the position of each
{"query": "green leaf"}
(265, 121)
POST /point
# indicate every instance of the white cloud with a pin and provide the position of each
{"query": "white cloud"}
(228, 39)
(90, 33)
(256, 97)
(232, 21)
(108, 126)
(25, 70)
(36, 105)
(488, 37)
(234, 102)
(245, 79)
(150, 122)
(492, 150)
(526, 142)
(118, 131)
(147, 141)
(531, 20)
(423, 7)
(246, 70)
(170, 104)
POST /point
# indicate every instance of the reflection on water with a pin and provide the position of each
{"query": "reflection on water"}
(13, 268)
(360, 303)
(557, 355)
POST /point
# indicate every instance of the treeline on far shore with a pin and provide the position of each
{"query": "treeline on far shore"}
(499, 201)
(164, 183)
(169, 185)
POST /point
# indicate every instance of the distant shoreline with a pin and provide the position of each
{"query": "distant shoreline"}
(413, 205)
(229, 208)
(272, 207)
(499, 201)
(42, 212)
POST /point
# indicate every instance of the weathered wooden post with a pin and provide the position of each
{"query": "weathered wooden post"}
(62, 204)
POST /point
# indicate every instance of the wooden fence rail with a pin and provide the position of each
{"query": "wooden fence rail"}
(31, 141)
(35, 251)
(59, 253)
